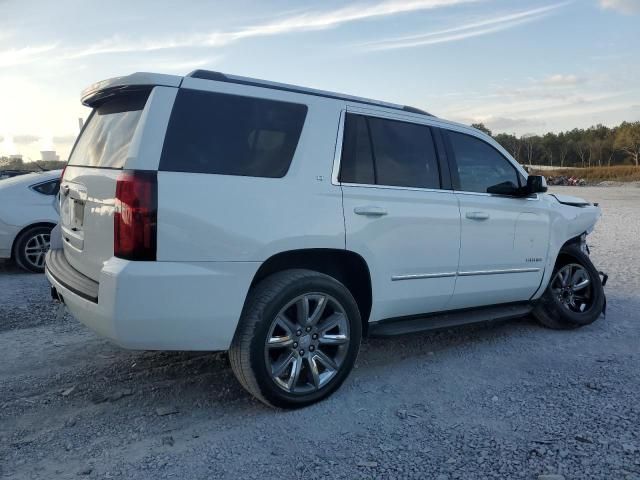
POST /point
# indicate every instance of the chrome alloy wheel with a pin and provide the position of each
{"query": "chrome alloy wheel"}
(307, 343)
(572, 287)
(35, 250)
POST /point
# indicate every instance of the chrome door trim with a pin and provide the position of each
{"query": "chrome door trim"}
(497, 272)
(416, 276)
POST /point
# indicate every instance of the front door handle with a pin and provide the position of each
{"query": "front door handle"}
(477, 215)
(370, 211)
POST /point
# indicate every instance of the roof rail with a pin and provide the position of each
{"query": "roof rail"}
(222, 77)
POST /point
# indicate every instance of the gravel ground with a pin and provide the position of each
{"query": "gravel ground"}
(503, 401)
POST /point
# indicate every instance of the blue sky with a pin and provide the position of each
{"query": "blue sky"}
(518, 66)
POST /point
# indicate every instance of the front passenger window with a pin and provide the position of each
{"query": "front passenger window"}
(480, 166)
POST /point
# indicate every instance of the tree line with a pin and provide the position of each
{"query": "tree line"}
(8, 163)
(592, 147)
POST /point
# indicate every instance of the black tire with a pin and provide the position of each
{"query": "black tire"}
(248, 351)
(25, 260)
(549, 309)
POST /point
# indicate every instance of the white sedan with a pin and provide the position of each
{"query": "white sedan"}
(27, 215)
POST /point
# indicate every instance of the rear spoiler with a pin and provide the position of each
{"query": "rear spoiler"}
(107, 88)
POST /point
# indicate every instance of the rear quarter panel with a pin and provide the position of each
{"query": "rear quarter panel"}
(209, 217)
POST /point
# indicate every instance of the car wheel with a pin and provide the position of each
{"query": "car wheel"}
(297, 339)
(574, 296)
(30, 248)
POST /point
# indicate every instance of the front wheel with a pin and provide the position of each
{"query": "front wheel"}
(297, 339)
(575, 296)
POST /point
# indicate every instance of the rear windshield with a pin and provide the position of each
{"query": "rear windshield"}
(106, 137)
(231, 135)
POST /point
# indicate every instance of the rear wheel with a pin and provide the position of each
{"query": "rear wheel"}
(297, 340)
(30, 248)
(574, 296)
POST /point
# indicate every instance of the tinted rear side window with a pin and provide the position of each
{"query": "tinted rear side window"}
(106, 138)
(357, 158)
(404, 154)
(231, 135)
(388, 152)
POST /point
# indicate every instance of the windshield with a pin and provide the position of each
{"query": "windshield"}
(105, 140)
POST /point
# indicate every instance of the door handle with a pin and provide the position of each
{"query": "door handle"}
(370, 211)
(477, 215)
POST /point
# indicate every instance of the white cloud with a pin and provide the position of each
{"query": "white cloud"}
(474, 29)
(503, 124)
(308, 21)
(19, 56)
(177, 65)
(560, 80)
(625, 6)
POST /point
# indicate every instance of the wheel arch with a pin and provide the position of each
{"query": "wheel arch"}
(556, 251)
(346, 266)
(24, 229)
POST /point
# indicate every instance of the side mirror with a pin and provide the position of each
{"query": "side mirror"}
(536, 184)
(505, 188)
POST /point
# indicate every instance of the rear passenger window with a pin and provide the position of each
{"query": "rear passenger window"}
(231, 135)
(480, 166)
(388, 152)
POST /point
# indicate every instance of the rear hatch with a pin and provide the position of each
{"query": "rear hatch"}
(88, 188)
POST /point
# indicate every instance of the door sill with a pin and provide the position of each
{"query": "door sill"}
(453, 318)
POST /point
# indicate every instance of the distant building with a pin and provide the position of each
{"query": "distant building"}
(15, 157)
(49, 156)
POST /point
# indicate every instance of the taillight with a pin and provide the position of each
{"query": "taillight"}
(135, 218)
(62, 174)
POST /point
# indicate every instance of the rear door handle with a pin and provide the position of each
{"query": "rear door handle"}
(370, 211)
(477, 215)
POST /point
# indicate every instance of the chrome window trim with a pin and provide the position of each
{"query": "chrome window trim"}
(429, 122)
(337, 157)
(338, 151)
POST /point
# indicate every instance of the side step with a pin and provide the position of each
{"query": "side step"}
(401, 326)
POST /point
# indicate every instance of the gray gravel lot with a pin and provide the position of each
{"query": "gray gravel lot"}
(502, 401)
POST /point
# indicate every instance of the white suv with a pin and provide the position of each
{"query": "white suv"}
(281, 223)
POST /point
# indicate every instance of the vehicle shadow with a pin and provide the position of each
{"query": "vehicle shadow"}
(205, 380)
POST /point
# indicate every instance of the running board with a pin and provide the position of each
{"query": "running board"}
(401, 326)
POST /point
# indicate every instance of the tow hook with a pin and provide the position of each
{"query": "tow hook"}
(603, 278)
(57, 298)
(55, 295)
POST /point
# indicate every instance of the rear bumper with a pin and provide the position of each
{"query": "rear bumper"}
(158, 305)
